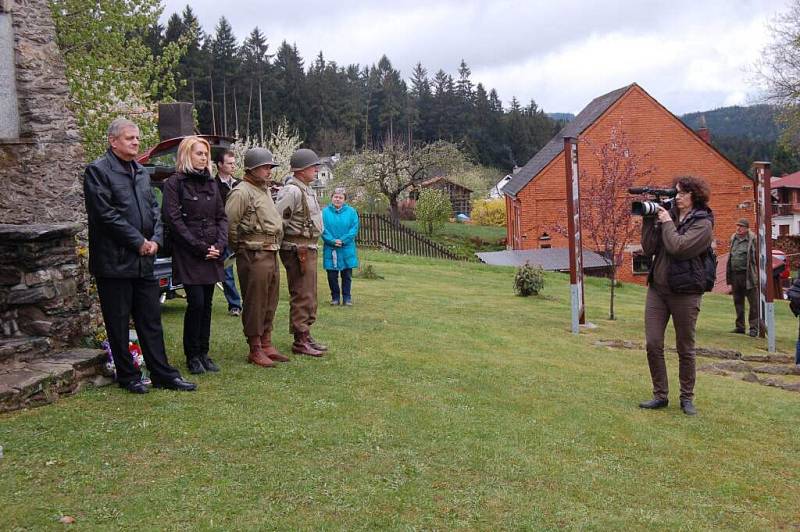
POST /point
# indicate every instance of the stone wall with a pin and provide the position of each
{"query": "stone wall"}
(41, 169)
(44, 288)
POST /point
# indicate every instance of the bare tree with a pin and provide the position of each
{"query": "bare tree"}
(605, 204)
(779, 70)
(395, 168)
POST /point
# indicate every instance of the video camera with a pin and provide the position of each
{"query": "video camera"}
(664, 198)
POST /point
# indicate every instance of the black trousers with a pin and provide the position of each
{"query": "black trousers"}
(119, 300)
(197, 319)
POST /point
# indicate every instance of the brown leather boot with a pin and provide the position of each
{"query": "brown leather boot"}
(316, 345)
(302, 346)
(270, 350)
(257, 355)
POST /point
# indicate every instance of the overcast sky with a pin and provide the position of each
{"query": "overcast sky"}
(692, 55)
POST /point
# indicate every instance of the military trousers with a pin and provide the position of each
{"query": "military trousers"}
(684, 309)
(740, 293)
(259, 280)
(302, 289)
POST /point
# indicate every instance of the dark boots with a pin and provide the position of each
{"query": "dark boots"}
(316, 345)
(303, 345)
(257, 355)
(270, 350)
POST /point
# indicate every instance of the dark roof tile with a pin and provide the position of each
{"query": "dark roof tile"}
(585, 118)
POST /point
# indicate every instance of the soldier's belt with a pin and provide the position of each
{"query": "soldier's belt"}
(260, 242)
(300, 241)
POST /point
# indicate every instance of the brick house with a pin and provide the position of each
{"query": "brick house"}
(536, 196)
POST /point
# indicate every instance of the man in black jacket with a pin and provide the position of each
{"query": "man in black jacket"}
(226, 165)
(124, 234)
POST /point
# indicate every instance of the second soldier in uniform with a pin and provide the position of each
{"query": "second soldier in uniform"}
(302, 227)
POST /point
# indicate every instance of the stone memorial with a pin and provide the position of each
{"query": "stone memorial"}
(46, 303)
(9, 115)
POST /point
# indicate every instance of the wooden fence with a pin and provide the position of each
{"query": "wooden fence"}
(379, 231)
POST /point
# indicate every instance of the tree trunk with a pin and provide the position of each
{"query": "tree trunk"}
(249, 110)
(394, 210)
(260, 116)
(213, 114)
(611, 315)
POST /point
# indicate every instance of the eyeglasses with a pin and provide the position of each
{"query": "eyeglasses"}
(683, 193)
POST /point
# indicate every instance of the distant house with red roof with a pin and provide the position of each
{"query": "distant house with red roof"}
(536, 194)
(786, 205)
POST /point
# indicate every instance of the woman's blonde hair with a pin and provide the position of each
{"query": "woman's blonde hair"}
(183, 161)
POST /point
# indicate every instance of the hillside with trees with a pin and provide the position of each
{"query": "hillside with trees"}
(246, 88)
(747, 134)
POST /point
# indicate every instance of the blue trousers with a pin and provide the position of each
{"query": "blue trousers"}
(333, 284)
(229, 286)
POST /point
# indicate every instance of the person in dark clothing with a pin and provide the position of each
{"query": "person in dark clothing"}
(677, 240)
(125, 232)
(194, 211)
(742, 275)
(226, 165)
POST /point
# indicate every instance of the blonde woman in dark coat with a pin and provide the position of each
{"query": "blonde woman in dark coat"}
(195, 213)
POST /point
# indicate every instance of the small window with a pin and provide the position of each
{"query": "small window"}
(544, 241)
(783, 229)
(641, 263)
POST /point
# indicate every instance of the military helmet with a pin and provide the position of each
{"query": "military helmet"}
(256, 157)
(302, 159)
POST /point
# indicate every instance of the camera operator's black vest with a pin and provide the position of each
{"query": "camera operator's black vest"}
(694, 275)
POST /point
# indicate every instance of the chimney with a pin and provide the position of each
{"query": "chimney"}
(175, 120)
(703, 130)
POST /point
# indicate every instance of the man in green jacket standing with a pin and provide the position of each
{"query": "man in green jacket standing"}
(741, 275)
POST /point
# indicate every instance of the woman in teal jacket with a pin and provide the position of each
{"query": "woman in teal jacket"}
(340, 223)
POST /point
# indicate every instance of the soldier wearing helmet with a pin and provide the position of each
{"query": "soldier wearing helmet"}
(302, 225)
(255, 230)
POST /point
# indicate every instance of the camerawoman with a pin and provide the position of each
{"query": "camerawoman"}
(677, 241)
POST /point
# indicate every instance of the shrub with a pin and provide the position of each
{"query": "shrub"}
(407, 209)
(489, 212)
(367, 271)
(529, 280)
(433, 209)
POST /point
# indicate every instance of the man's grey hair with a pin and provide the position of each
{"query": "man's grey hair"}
(118, 125)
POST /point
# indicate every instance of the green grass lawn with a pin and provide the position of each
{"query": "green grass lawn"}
(466, 239)
(445, 402)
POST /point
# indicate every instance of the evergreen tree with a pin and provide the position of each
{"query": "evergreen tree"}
(225, 69)
(254, 76)
(289, 80)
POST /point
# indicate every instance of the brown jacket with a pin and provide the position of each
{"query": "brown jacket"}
(253, 221)
(665, 242)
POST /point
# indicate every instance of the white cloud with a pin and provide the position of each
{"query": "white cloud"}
(690, 55)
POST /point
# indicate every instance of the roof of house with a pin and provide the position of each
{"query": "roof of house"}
(585, 118)
(550, 259)
(430, 181)
(787, 181)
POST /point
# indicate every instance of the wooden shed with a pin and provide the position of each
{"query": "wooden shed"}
(459, 194)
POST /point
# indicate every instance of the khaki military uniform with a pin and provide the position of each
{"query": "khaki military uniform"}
(255, 230)
(302, 225)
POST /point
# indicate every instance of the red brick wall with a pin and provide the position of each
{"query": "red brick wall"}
(673, 150)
